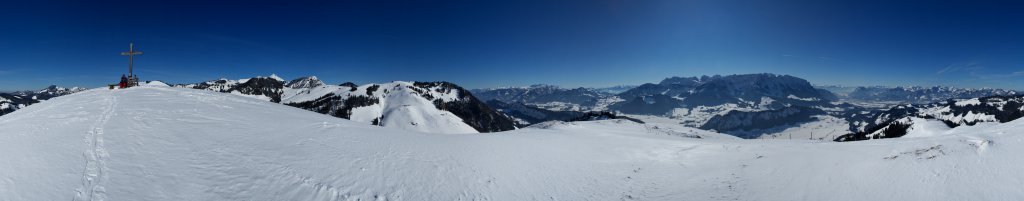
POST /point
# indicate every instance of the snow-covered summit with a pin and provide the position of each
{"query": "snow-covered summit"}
(157, 83)
(275, 77)
(161, 143)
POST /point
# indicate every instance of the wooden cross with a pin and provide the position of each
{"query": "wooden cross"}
(131, 51)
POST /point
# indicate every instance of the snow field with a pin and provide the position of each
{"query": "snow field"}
(158, 143)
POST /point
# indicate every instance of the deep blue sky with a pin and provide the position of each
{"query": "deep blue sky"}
(514, 43)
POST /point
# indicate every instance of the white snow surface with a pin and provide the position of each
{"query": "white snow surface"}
(925, 127)
(158, 143)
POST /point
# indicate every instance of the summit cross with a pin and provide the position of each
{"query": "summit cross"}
(130, 53)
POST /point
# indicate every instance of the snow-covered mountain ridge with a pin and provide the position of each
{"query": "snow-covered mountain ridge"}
(158, 143)
(420, 106)
(744, 89)
(9, 102)
(896, 121)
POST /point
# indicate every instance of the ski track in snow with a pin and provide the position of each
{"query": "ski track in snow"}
(94, 174)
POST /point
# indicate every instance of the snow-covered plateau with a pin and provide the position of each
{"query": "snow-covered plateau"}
(162, 143)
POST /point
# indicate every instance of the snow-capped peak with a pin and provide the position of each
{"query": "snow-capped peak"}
(54, 90)
(305, 82)
(274, 76)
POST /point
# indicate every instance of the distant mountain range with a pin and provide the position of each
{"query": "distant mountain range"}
(912, 94)
(747, 105)
(526, 115)
(693, 100)
(675, 92)
(9, 102)
(767, 91)
(920, 95)
(546, 96)
(615, 89)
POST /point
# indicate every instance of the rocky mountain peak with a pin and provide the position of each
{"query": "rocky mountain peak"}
(305, 82)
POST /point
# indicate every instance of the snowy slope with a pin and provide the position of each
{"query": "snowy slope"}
(395, 104)
(157, 143)
(925, 128)
(437, 107)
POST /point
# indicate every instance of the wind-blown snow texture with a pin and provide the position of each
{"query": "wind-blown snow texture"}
(159, 143)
